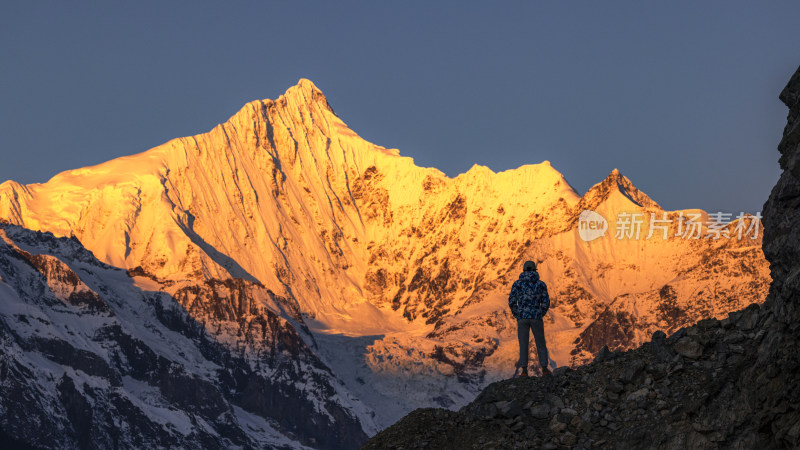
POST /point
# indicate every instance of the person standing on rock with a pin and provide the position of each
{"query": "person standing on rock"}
(529, 302)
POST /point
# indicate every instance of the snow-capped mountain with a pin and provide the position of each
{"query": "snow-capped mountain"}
(390, 279)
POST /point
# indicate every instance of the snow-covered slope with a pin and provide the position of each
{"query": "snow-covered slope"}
(399, 271)
(90, 360)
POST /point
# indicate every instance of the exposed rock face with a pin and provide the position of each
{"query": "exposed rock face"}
(776, 391)
(730, 383)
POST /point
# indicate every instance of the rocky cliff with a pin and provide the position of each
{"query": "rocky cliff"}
(730, 383)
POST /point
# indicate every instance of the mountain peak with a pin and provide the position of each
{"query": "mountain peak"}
(615, 177)
(305, 86)
(305, 82)
(306, 92)
(615, 182)
(303, 96)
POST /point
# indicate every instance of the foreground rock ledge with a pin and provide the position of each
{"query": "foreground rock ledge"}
(729, 383)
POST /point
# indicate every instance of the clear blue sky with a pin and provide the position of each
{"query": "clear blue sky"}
(680, 96)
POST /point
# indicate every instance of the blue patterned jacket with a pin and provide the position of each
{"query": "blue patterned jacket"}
(528, 298)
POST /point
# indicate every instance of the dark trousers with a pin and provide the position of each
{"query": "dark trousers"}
(536, 325)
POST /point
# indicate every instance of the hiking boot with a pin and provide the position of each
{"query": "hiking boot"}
(520, 372)
(546, 371)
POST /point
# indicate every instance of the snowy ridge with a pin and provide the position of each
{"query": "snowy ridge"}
(399, 273)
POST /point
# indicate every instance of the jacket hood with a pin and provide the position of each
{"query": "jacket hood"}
(532, 276)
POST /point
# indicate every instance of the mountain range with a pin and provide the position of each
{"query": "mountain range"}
(280, 281)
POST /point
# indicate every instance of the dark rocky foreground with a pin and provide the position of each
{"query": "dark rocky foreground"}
(729, 383)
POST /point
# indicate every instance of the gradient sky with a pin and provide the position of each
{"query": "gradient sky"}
(680, 96)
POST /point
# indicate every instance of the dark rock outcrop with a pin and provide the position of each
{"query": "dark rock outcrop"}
(730, 383)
